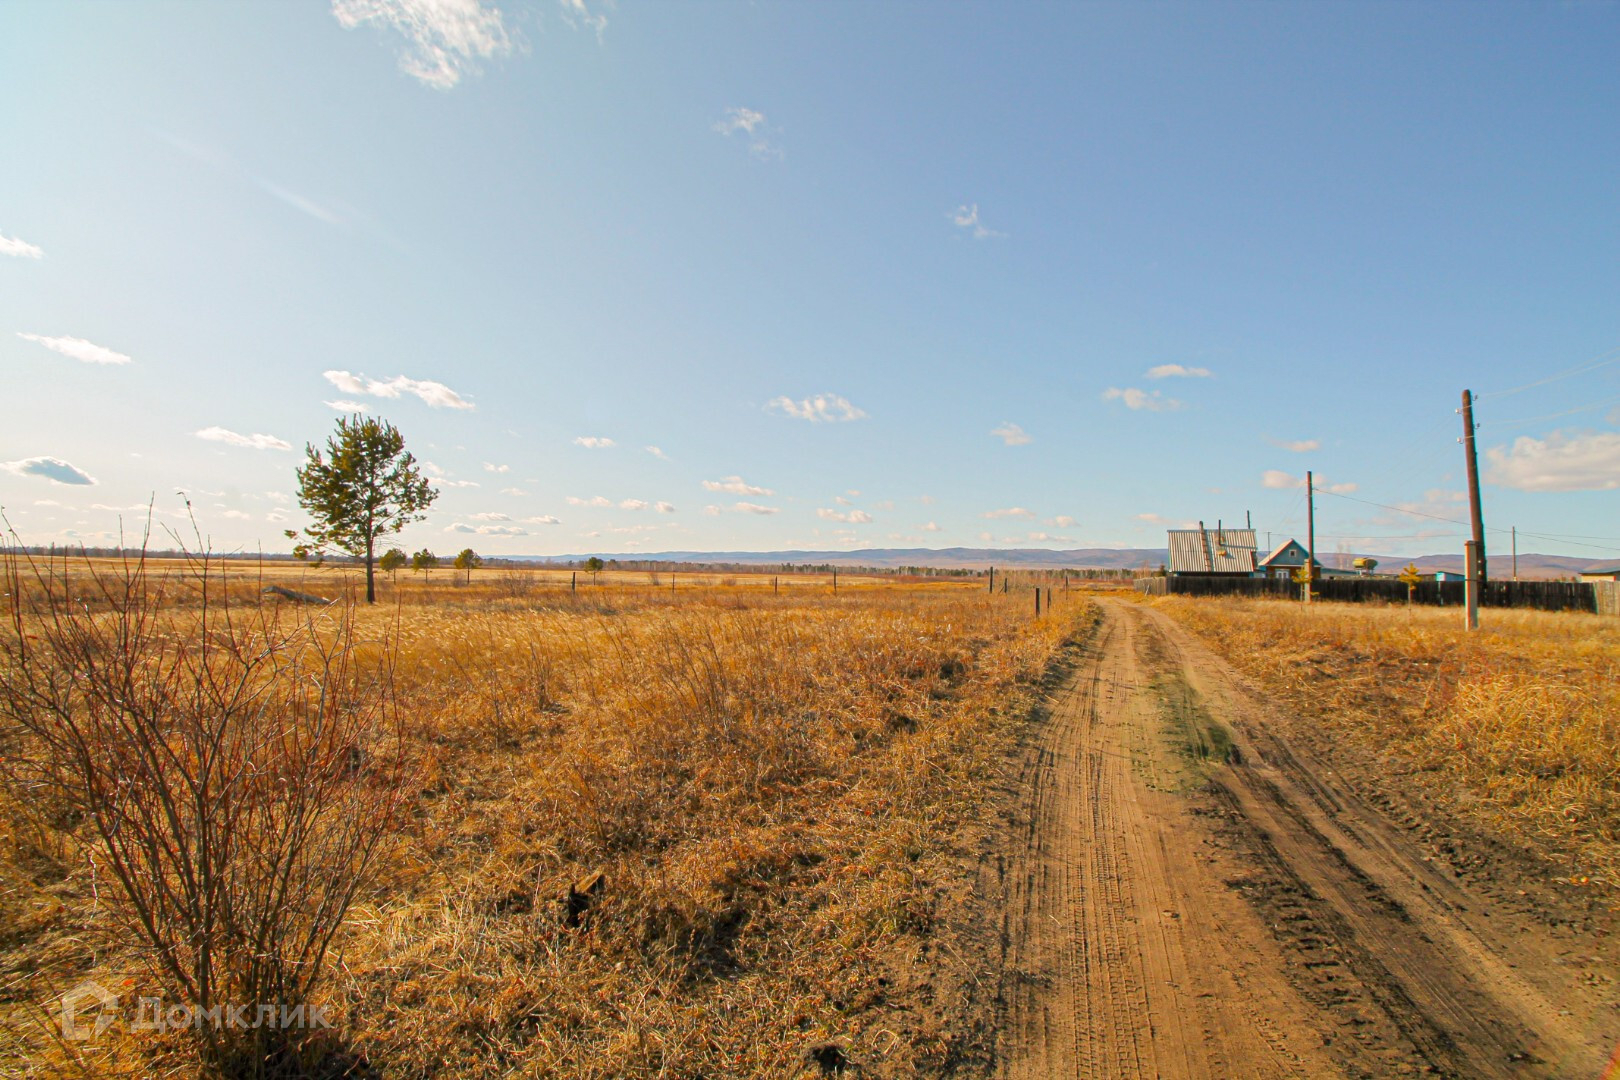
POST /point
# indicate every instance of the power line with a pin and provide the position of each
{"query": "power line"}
(1604, 360)
(1550, 416)
(1453, 521)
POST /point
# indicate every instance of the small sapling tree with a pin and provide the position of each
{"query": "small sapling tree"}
(469, 560)
(391, 561)
(365, 486)
(594, 566)
(423, 561)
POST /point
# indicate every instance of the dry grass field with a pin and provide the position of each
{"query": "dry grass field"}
(640, 832)
(1515, 728)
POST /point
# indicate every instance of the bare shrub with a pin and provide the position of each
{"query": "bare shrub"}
(234, 766)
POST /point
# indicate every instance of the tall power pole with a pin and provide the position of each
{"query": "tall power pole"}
(1310, 536)
(1474, 510)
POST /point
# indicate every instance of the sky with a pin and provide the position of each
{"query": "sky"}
(639, 277)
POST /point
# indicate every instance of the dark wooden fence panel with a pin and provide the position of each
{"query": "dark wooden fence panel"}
(1540, 595)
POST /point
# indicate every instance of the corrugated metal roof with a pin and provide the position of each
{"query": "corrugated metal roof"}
(1284, 546)
(1212, 551)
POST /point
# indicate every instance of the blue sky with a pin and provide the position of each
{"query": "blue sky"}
(1043, 275)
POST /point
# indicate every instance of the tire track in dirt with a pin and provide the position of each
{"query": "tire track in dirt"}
(1167, 916)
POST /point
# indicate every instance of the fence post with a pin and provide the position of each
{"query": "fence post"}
(1037, 601)
(573, 581)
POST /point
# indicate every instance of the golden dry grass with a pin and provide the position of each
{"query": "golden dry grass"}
(1517, 725)
(770, 785)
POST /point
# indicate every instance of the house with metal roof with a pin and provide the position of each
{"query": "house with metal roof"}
(1285, 558)
(1219, 552)
(1605, 572)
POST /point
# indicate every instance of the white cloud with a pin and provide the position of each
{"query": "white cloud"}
(1276, 478)
(712, 510)
(278, 496)
(578, 13)
(930, 527)
(543, 519)
(1048, 538)
(829, 408)
(1012, 434)
(1133, 398)
(252, 442)
(755, 508)
(665, 507)
(492, 467)
(594, 500)
(1010, 512)
(237, 515)
(55, 470)
(853, 517)
(22, 249)
(78, 349)
(434, 394)
(1154, 519)
(486, 530)
(347, 406)
(513, 491)
(445, 38)
(754, 128)
(492, 516)
(967, 217)
(633, 504)
(1583, 462)
(1177, 371)
(1062, 521)
(459, 483)
(1298, 446)
(735, 485)
(594, 442)
(657, 453)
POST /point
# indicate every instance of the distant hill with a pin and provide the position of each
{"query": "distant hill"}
(962, 558)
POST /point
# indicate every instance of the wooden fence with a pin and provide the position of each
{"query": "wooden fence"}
(1540, 595)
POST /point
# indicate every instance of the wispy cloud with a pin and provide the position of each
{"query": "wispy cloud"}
(594, 500)
(543, 519)
(444, 38)
(1297, 446)
(1062, 521)
(78, 349)
(755, 508)
(1178, 371)
(513, 491)
(1151, 400)
(735, 485)
(754, 128)
(665, 507)
(252, 442)
(492, 516)
(577, 13)
(594, 442)
(490, 466)
(1049, 538)
(931, 527)
(434, 394)
(634, 504)
(1012, 434)
(1276, 478)
(53, 469)
(486, 530)
(1009, 512)
(657, 453)
(347, 406)
(967, 217)
(822, 408)
(853, 517)
(22, 249)
(1588, 461)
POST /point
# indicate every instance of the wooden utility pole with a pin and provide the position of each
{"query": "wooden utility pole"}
(1515, 553)
(1474, 511)
(992, 579)
(1310, 535)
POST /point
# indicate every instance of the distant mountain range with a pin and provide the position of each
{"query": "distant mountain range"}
(961, 558)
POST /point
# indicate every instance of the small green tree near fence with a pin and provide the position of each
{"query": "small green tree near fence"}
(594, 566)
(391, 561)
(468, 560)
(423, 561)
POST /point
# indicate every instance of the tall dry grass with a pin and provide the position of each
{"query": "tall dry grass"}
(1517, 725)
(697, 837)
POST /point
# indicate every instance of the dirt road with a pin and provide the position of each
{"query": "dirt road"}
(1187, 895)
